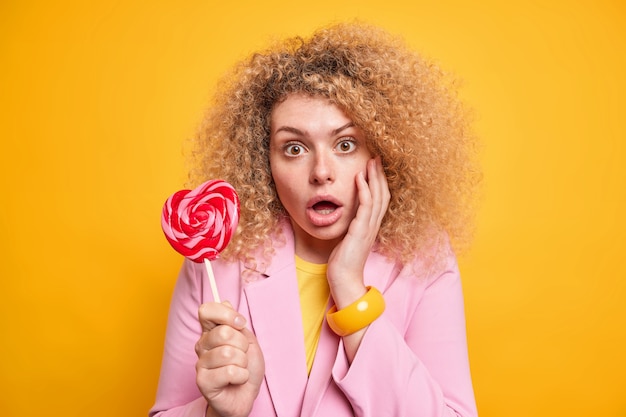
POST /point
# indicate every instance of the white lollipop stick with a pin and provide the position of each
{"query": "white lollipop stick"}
(209, 270)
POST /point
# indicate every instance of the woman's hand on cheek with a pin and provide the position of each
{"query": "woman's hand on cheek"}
(347, 261)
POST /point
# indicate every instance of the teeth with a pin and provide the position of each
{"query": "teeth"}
(325, 211)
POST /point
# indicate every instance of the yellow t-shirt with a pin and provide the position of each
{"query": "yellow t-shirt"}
(314, 293)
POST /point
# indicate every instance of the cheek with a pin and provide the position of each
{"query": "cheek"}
(352, 170)
(277, 175)
(282, 185)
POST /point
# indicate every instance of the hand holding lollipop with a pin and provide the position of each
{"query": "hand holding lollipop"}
(199, 223)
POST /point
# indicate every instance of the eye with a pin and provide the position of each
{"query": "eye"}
(293, 149)
(346, 145)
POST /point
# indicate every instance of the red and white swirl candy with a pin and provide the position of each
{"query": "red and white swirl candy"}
(200, 223)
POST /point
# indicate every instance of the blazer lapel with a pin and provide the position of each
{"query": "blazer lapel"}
(274, 305)
(321, 373)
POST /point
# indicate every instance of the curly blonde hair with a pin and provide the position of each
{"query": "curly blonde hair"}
(407, 107)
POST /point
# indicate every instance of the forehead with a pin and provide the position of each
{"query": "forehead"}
(305, 110)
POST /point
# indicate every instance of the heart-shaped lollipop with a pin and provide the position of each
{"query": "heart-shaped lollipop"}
(199, 223)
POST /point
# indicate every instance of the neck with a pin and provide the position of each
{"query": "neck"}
(314, 250)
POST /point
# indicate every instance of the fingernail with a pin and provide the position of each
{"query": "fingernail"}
(240, 321)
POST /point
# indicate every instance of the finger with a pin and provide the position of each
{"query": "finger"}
(212, 315)
(222, 356)
(361, 224)
(378, 179)
(215, 379)
(222, 335)
(379, 189)
(250, 337)
(218, 368)
(364, 194)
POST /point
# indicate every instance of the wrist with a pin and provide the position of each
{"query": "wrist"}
(346, 293)
(358, 314)
(210, 412)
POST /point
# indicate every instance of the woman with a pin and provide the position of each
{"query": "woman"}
(353, 161)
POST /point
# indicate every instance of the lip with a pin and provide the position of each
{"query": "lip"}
(323, 219)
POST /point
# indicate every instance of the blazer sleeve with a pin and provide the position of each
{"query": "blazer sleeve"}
(177, 394)
(416, 368)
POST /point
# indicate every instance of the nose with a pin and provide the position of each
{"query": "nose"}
(322, 170)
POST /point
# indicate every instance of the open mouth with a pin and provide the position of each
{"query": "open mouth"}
(324, 207)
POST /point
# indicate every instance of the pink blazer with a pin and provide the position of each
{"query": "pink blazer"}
(412, 360)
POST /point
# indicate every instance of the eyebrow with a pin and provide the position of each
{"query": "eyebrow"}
(301, 133)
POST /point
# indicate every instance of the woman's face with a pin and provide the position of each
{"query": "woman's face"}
(316, 152)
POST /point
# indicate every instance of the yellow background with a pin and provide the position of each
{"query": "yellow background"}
(97, 98)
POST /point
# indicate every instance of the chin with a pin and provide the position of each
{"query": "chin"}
(332, 233)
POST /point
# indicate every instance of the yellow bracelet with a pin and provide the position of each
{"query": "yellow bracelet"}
(357, 315)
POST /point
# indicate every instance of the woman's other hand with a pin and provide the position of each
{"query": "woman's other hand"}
(230, 366)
